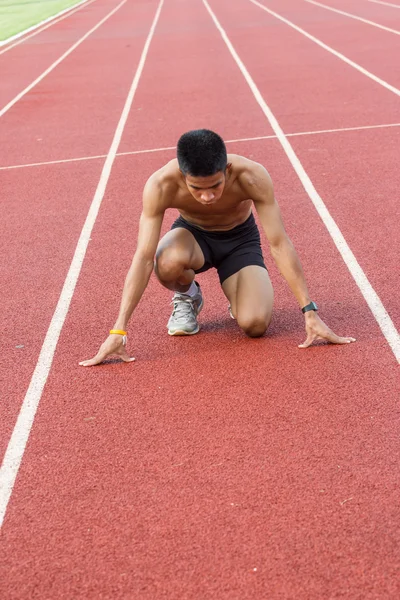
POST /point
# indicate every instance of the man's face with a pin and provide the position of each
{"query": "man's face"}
(206, 190)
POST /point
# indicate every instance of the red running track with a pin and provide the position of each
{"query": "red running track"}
(366, 45)
(355, 172)
(74, 111)
(382, 14)
(45, 47)
(216, 466)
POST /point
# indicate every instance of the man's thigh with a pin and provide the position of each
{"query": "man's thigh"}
(179, 245)
(250, 294)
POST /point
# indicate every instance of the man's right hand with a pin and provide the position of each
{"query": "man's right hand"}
(114, 344)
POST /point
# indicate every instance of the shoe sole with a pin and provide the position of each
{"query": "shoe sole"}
(182, 331)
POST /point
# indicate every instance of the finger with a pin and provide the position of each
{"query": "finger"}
(310, 338)
(336, 339)
(90, 363)
(100, 356)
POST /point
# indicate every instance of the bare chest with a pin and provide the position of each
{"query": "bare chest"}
(230, 210)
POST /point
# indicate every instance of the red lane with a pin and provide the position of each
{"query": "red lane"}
(216, 466)
(73, 112)
(382, 14)
(355, 172)
(43, 211)
(187, 62)
(306, 87)
(372, 48)
(24, 63)
(44, 207)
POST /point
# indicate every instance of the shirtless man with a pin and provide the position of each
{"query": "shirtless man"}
(214, 193)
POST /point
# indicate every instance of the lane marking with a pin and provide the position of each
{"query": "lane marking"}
(342, 12)
(385, 3)
(384, 321)
(340, 129)
(19, 438)
(70, 11)
(59, 60)
(54, 162)
(329, 49)
(249, 139)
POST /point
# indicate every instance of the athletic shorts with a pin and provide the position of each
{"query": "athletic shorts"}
(227, 251)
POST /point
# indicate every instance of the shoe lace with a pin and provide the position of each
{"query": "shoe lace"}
(183, 306)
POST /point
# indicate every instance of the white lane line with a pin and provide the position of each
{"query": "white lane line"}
(53, 20)
(238, 140)
(371, 297)
(329, 49)
(19, 438)
(54, 162)
(385, 3)
(59, 60)
(340, 129)
(346, 14)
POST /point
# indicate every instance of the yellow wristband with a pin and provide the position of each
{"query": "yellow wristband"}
(118, 331)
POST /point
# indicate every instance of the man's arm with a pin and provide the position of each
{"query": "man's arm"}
(138, 275)
(260, 188)
(141, 268)
(281, 247)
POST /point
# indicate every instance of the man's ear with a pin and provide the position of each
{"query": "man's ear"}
(229, 166)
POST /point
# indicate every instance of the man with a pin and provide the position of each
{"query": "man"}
(214, 193)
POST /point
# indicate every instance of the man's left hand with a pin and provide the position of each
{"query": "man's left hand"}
(317, 330)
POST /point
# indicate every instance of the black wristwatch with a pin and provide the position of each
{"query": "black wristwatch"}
(311, 306)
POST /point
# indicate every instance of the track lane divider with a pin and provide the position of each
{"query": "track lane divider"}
(342, 57)
(356, 17)
(61, 161)
(39, 27)
(59, 60)
(372, 299)
(385, 3)
(19, 437)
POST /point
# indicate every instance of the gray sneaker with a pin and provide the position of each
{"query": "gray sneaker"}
(183, 320)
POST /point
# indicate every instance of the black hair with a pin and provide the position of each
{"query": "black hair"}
(201, 153)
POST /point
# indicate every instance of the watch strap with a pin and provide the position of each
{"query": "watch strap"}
(308, 307)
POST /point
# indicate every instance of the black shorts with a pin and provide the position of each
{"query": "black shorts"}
(227, 251)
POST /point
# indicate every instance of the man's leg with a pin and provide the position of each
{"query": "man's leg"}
(178, 256)
(251, 297)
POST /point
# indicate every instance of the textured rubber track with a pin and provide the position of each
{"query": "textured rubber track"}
(215, 466)
(73, 110)
(355, 172)
(44, 48)
(360, 42)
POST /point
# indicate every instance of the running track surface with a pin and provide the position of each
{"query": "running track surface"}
(215, 466)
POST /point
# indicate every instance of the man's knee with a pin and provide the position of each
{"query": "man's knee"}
(254, 325)
(169, 263)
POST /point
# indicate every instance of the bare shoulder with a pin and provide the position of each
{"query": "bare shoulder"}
(252, 176)
(249, 172)
(161, 187)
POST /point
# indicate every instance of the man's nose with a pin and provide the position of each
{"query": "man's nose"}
(207, 196)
